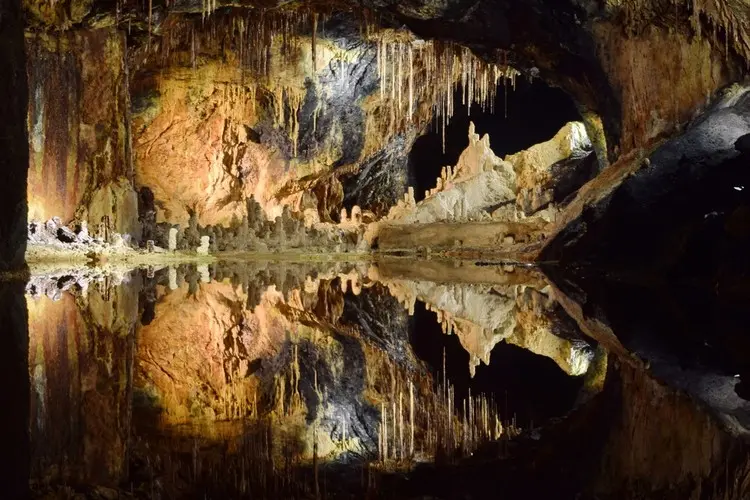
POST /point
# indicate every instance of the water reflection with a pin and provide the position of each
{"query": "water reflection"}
(393, 379)
(264, 379)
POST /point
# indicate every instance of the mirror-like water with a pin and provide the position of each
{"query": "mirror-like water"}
(247, 379)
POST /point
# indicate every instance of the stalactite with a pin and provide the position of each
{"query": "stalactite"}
(411, 418)
(411, 83)
(314, 39)
(435, 72)
(192, 48)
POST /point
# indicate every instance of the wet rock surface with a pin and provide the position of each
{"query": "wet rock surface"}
(678, 213)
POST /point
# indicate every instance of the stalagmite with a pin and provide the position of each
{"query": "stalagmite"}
(204, 246)
(172, 242)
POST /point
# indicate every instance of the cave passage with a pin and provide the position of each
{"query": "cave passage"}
(523, 116)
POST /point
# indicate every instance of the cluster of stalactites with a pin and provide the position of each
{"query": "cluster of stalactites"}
(412, 71)
(249, 38)
(414, 74)
(721, 15)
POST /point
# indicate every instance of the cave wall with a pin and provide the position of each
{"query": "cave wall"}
(284, 105)
(13, 138)
(80, 167)
(662, 77)
(642, 67)
(215, 122)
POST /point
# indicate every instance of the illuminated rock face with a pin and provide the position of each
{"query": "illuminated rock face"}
(211, 128)
(196, 150)
(80, 166)
(307, 110)
(489, 204)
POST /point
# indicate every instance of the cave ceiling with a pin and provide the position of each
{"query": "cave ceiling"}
(568, 43)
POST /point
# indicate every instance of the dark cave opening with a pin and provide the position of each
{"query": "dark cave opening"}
(531, 113)
(526, 386)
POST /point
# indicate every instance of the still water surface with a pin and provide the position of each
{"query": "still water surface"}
(281, 379)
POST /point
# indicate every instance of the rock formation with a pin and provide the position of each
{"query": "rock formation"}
(488, 204)
(279, 126)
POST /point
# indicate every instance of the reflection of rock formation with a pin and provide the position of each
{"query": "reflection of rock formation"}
(221, 351)
(80, 364)
(287, 371)
(266, 369)
(493, 308)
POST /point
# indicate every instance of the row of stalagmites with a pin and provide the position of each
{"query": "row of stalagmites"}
(252, 233)
(255, 233)
(527, 202)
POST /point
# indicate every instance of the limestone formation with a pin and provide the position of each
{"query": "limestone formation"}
(356, 214)
(118, 241)
(204, 246)
(83, 233)
(172, 244)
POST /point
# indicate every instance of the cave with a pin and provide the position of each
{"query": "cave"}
(397, 249)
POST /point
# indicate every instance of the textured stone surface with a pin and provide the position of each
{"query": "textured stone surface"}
(78, 130)
(207, 138)
(664, 197)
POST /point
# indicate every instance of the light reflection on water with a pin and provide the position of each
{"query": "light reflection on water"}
(264, 379)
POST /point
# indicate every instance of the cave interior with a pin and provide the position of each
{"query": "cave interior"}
(381, 249)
